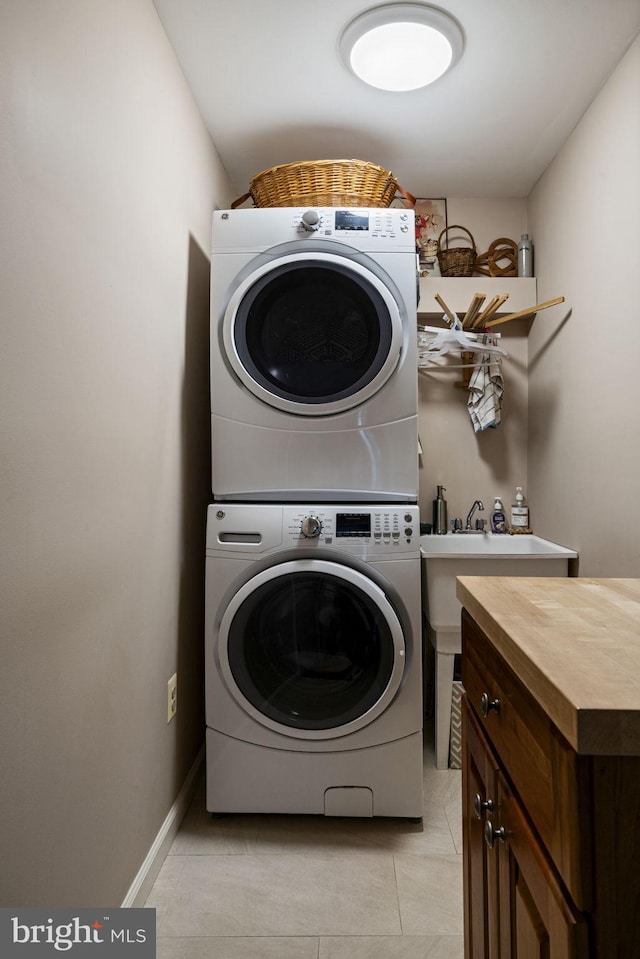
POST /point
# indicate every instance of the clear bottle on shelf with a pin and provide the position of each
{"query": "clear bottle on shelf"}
(525, 256)
(519, 511)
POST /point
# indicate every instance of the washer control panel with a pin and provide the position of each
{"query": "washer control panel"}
(353, 526)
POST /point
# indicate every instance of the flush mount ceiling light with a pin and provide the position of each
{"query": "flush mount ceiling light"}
(401, 46)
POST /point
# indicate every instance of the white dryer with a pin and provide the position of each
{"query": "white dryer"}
(313, 355)
(313, 659)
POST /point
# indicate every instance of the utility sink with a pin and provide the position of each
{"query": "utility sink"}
(482, 554)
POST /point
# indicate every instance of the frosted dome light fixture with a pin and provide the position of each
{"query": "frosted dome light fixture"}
(401, 46)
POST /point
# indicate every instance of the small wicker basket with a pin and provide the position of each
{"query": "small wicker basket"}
(325, 183)
(459, 261)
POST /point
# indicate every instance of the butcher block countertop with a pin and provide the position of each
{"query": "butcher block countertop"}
(575, 645)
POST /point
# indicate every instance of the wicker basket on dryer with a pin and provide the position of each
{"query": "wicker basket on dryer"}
(325, 183)
(459, 260)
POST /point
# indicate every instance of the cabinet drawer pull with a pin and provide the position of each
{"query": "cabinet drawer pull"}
(491, 834)
(479, 805)
(486, 705)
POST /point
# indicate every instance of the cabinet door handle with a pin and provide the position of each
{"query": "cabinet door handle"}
(486, 705)
(479, 805)
(491, 834)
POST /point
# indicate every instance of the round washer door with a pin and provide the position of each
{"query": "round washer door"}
(312, 649)
(313, 333)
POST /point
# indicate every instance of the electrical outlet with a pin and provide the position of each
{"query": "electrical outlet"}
(172, 697)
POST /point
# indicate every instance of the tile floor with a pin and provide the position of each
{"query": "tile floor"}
(305, 887)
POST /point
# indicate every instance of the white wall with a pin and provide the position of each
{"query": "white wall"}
(108, 180)
(584, 382)
(492, 463)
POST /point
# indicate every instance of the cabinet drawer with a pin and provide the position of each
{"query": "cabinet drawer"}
(550, 778)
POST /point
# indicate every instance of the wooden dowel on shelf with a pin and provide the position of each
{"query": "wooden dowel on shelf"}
(490, 310)
(474, 309)
(529, 311)
(452, 316)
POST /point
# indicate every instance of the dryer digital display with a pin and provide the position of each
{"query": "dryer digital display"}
(348, 220)
(353, 524)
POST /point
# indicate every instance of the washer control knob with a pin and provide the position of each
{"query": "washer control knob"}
(311, 221)
(311, 527)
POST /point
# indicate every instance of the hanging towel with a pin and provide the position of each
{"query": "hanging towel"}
(485, 392)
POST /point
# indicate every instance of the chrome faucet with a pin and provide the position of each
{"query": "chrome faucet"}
(478, 504)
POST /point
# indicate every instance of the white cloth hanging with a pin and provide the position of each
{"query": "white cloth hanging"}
(486, 390)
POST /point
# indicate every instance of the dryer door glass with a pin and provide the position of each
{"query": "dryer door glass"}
(311, 650)
(315, 334)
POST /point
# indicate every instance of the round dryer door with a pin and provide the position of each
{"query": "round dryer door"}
(313, 333)
(312, 649)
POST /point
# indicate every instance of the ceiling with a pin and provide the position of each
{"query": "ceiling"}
(271, 88)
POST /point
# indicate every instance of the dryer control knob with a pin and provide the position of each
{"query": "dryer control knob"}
(311, 527)
(311, 220)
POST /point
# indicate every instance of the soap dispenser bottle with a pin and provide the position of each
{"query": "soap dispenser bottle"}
(519, 511)
(440, 512)
(498, 519)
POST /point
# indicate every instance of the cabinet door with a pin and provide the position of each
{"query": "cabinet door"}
(537, 920)
(479, 803)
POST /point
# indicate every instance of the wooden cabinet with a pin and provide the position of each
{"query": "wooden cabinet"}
(515, 904)
(480, 864)
(537, 918)
(551, 847)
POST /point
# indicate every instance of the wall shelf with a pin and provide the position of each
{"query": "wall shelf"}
(457, 291)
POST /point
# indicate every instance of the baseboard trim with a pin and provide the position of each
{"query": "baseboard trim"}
(148, 872)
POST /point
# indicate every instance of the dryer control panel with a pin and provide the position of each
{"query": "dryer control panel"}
(368, 229)
(347, 223)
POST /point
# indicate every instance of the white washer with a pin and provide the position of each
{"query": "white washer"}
(313, 659)
(313, 355)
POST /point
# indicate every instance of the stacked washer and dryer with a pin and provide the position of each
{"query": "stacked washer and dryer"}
(313, 640)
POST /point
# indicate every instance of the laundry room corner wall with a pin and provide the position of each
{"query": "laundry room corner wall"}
(491, 463)
(584, 389)
(108, 180)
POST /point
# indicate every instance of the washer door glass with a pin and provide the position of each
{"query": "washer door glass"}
(313, 334)
(312, 646)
